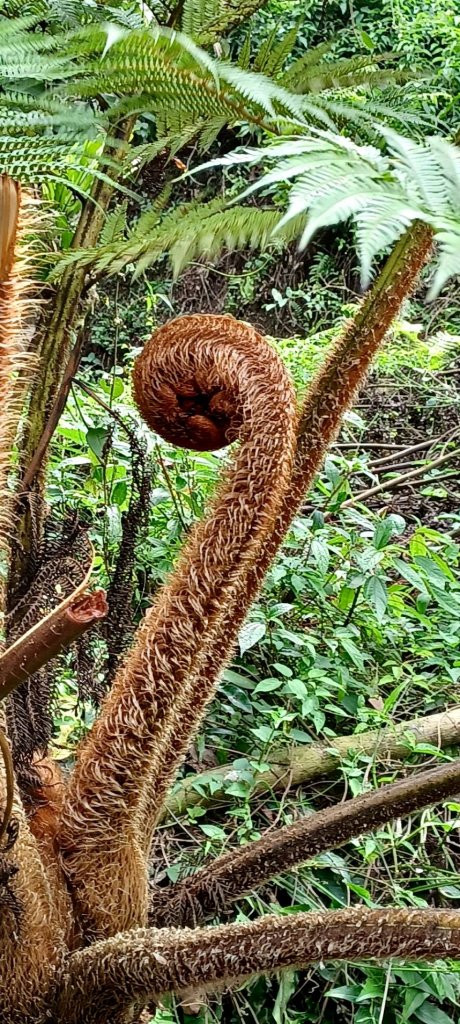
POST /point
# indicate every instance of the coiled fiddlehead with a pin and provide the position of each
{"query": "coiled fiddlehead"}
(201, 381)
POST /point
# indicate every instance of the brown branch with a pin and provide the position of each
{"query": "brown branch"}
(389, 485)
(394, 449)
(211, 890)
(9, 779)
(412, 448)
(113, 975)
(49, 637)
(424, 481)
(296, 765)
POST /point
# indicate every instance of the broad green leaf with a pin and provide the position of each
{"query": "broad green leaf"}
(320, 553)
(377, 594)
(96, 438)
(431, 1014)
(352, 652)
(250, 634)
(268, 685)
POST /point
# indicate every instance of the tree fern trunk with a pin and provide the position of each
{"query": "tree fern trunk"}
(63, 320)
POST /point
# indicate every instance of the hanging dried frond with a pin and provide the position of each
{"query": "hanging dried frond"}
(15, 362)
(62, 566)
(118, 628)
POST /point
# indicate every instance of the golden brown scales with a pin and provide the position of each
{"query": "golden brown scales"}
(203, 381)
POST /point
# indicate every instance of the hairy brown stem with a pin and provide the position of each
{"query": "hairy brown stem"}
(15, 363)
(200, 381)
(9, 213)
(329, 396)
(137, 966)
(48, 638)
(212, 889)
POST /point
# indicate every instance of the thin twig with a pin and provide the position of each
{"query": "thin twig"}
(396, 467)
(413, 448)
(9, 775)
(423, 481)
(400, 448)
(389, 485)
(169, 485)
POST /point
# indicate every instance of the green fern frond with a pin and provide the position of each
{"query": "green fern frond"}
(190, 232)
(311, 58)
(115, 226)
(33, 163)
(197, 14)
(273, 55)
(60, 12)
(263, 54)
(151, 71)
(345, 74)
(171, 73)
(244, 56)
(329, 179)
(230, 13)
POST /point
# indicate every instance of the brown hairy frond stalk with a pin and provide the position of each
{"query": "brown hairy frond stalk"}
(201, 381)
(146, 963)
(212, 889)
(330, 393)
(15, 363)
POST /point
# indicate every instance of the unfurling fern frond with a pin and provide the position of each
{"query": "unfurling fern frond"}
(329, 179)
